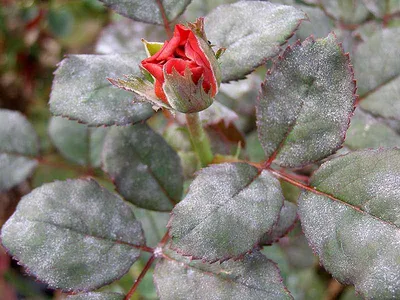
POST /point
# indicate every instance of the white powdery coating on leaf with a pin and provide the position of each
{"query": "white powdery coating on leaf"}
(358, 242)
(385, 101)
(97, 296)
(17, 135)
(226, 211)
(77, 142)
(148, 11)
(14, 169)
(254, 277)
(146, 170)
(376, 61)
(124, 36)
(251, 32)
(306, 102)
(73, 235)
(366, 131)
(81, 91)
(17, 139)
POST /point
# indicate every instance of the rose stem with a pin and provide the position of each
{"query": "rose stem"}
(200, 141)
(139, 279)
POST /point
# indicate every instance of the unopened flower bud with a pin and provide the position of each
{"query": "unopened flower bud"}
(185, 71)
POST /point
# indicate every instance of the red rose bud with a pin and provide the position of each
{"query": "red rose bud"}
(185, 70)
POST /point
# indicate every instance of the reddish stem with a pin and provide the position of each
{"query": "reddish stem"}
(146, 249)
(60, 165)
(164, 239)
(310, 189)
(165, 19)
(141, 276)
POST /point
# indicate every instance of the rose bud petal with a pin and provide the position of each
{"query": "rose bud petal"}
(182, 74)
(190, 75)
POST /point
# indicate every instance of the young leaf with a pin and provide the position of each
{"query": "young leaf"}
(366, 131)
(378, 79)
(227, 210)
(149, 11)
(254, 277)
(77, 142)
(251, 32)
(18, 148)
(81, 91)
(97, 296)
(73, 235)
(352, 220)
(306, 102)
(286, 221)
(145, 169)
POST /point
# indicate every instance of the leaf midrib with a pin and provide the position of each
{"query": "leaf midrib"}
(83, 233)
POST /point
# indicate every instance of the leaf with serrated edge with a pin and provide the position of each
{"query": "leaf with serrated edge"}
(18, 148)
(145, 169)
(148, 11)
(253, 277)
(366, 131)
(97, 296)
(249, 44)
(286, 221)
(78, 143)
(306, 102)
(352, 221)
(73, 235)
(227, 210)
(81, 91)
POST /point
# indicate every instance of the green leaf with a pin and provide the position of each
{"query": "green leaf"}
(254, 277)
(385, 101)
(73, 235)
(148, 11)
(286, 221)
(378, 79)
(366, 131)
(352, 220)
(348, 11)
(18, 148)
(267, 26)
(124, 36)
(319, 25)
(145, 169)
(81, 91)
(227, 210)
(77, 142)
(308, 121)
(97, 296)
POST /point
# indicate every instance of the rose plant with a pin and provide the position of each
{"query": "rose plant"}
(184, 138)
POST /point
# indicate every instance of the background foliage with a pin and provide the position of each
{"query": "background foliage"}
(35, 35)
